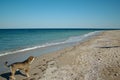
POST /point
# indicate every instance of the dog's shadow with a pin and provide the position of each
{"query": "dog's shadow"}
(7, 75)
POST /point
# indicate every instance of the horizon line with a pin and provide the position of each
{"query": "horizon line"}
(66, 28)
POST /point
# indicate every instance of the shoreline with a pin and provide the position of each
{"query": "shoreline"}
(20, 56)
(70, 40)
(75, 62)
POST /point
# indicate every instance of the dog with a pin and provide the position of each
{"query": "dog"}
(25, 65)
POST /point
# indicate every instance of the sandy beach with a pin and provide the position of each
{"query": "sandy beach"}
(95, 59)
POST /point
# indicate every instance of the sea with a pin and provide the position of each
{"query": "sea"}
(19, 40)
(17, 45)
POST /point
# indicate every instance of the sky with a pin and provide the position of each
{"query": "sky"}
(59, 14)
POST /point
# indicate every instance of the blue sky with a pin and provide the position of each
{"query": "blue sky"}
(59, 13)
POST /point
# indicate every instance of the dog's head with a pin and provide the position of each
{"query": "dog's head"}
(30, 59)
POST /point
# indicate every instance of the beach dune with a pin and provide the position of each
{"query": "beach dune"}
(95, 59)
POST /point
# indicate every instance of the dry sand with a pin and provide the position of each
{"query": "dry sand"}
(95, 59)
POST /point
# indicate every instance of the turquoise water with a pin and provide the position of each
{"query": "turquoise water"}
(19, 40)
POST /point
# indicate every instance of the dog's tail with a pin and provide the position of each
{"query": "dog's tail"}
(6, 64)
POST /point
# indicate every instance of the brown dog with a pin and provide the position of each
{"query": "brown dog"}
(25, 65)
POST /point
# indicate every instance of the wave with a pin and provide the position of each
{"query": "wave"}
(83, 37)
(69, 40)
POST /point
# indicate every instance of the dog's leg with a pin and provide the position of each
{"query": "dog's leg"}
(27, 71)
(12, 74)
(12, 78)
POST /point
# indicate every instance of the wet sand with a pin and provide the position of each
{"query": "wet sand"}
(95, 59)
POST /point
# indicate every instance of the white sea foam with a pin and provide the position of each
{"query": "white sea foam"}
(69, 40)
(80, 38)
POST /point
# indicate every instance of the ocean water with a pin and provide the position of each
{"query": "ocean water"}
(19, 40)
